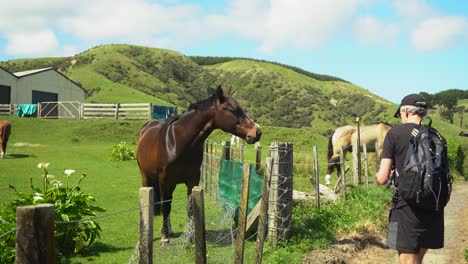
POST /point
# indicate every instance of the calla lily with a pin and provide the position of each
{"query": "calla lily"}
(37, 198)
(69, 172)
(43, 165)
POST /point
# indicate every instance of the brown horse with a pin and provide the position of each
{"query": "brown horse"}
(171, 151)
(346, 136)
(5, 130)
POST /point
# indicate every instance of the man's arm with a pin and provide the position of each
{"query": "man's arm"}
(384, 172)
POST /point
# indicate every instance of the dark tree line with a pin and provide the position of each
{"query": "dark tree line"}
(447, 102)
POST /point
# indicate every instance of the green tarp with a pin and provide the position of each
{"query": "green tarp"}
(229, 186)
(26, 109)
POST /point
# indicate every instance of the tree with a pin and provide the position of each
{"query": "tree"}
(460, 110)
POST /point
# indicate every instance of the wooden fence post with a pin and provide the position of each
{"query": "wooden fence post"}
(242, 220)
(35, 242)
(343, 172)
(199, 224)
(150, 111)
(356, 166)
(366, 167)
(145, 247)
(281, 202)
(258, 157)
(317, 176)
(262, 219)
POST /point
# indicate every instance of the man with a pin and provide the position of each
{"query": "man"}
(411, 231)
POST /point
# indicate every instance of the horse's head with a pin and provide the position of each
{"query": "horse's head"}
(231, 118)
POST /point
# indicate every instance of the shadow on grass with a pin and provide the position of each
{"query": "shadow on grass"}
(95, 250)
(18, 156)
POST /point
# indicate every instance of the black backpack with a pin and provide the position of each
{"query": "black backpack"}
(425, 181)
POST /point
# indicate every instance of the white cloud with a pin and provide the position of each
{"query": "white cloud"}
(301, 24)
(440, 33)
(31, 43)
(413, 9)
(371, 30)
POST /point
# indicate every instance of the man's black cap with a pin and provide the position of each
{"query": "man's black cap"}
(412, 99)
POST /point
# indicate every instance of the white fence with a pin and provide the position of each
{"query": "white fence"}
(79, 110)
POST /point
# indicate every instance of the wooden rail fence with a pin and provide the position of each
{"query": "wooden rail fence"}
(79, 110)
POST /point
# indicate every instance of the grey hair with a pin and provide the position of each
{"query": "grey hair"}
(415, 110)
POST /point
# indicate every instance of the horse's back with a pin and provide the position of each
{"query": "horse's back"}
(5, 130)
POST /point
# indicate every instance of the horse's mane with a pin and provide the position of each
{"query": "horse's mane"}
(203, 104)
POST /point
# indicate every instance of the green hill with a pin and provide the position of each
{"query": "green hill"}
(274, 94)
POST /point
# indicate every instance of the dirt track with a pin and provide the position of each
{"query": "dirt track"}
(372, 249)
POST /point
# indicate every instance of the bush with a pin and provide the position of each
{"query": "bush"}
(456, 156)
(121, 152)
(70, 205)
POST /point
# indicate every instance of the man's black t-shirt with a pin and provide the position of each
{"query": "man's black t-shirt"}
(395, 148)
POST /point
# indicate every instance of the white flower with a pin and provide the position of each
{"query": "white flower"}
(43, 165)
(50, 176)
(56, 183)
(38, 194)
(37, 198)
(69, 172)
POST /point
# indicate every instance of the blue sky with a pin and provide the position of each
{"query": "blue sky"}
(390, 47)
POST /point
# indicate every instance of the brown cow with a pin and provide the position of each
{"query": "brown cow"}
(5, 130)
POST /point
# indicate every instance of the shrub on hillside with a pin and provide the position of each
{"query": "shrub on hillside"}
(72, 231)
(121, 152)
(456, 156)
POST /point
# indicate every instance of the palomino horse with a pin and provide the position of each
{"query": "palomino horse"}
(5, 130)
(171, 151)
(345, 136)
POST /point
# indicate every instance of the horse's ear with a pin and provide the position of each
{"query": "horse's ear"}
(230, 90)
(220, 93)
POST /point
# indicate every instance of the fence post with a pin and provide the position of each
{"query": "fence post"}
(343, 172)
(199, 224)
(258, 157)
(280, 206)
(262, 219)
(227, 150)
(150, 111)
(366, 167)
(117, 105)
(35, 242)
(317, 176)
(355, 164)
(145, 247)
(242, 220)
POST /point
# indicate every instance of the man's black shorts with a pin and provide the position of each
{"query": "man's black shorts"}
(412, 229)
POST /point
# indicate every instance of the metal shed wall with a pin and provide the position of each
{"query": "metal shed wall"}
(47, 81)
(8, 79)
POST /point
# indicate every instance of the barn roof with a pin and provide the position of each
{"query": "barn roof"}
(23, 73)
(31, 72)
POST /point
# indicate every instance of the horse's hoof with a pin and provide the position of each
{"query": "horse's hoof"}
(164, 242)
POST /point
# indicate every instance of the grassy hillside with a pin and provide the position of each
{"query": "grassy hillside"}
(274, 94)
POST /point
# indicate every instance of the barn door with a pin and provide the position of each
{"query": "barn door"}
(51, 109)
(5, 94)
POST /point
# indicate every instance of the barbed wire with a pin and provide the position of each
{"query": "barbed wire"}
(9, 232)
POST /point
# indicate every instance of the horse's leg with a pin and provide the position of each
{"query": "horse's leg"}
(333, 162)
(152, 182)
(166, 192)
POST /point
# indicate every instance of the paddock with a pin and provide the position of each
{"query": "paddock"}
(110, 182)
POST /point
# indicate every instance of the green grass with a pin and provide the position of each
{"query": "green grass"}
(85, 146)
